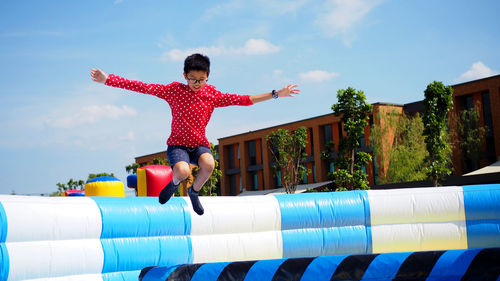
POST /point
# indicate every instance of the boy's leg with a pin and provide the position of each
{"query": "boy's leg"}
(206, 163)
(178, 157)
(179, 173)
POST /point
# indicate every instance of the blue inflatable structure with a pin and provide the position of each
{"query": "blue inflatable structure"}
(113, 238)
(473, 264)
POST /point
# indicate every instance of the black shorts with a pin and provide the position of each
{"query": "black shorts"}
(177, 153)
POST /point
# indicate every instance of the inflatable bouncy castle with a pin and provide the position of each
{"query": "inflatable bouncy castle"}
(404, 234)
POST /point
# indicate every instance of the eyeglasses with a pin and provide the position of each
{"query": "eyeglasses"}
(197, 81)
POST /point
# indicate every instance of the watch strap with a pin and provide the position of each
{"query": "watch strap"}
(275, 94)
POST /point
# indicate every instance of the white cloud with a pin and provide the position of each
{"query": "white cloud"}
(340, 17)
(251, 47)
(477, 71)
(258, 47)
(90, 115)
(316, 76)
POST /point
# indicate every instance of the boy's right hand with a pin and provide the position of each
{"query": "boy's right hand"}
(98, 75)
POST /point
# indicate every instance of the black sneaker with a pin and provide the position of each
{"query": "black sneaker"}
(167, 192)
(193, 195)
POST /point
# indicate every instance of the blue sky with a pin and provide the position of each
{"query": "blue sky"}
(57, 124)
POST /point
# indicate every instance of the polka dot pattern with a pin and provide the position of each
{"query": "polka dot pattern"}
(191, 110)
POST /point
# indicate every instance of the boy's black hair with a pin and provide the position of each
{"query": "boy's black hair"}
(197, 62)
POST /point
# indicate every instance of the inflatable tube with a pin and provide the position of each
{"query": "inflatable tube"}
(113, 238)
(475, 264)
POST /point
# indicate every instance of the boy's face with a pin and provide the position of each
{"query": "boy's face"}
(196, 79)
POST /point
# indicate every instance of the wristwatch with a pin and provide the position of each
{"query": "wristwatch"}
(275, 94)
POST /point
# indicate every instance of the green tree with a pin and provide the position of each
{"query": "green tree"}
(132, 168)
(76, 184)
(354, 110)
(329, 149)
(288, 151)
(471, 136)
(407, 154)
(92, 176)
(70, 185)
(159, 161)
(437, 103)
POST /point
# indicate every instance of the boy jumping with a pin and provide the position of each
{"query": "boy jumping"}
(192, 106)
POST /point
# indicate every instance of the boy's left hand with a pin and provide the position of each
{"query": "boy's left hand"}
(289, 91)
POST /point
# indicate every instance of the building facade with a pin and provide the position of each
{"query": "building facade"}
(145, 159)
(246, 160)
(483, 95)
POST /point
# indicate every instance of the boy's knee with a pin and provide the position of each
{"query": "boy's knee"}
(206, 162)
(182, 171)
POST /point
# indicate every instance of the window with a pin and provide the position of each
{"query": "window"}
(277, 179)
(332, 167)
(488, 123)
(311, 142)
(375, 171)
(328, 133)
(232, 185)
(314, 172)
(304, 179)
(275, 151)
(252, 152)
(362, 141)
(467, 102)
(261, 156)
(230, 156)
(255, 181)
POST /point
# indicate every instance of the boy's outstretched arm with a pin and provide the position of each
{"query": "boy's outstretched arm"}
(98, 75)
(116, 81)
(289, 91)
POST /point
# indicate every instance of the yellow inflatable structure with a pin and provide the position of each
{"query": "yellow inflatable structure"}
(105, 186)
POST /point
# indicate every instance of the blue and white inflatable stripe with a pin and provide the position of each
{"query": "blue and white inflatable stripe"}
(3, 224)
(474, 264)
(139, 231)
(75, 238)
(311, 221)
(51, 237)
(482, 212)
(4, 256)
(142, 217)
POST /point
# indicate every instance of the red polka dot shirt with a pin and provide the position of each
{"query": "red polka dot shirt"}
(191, 110)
